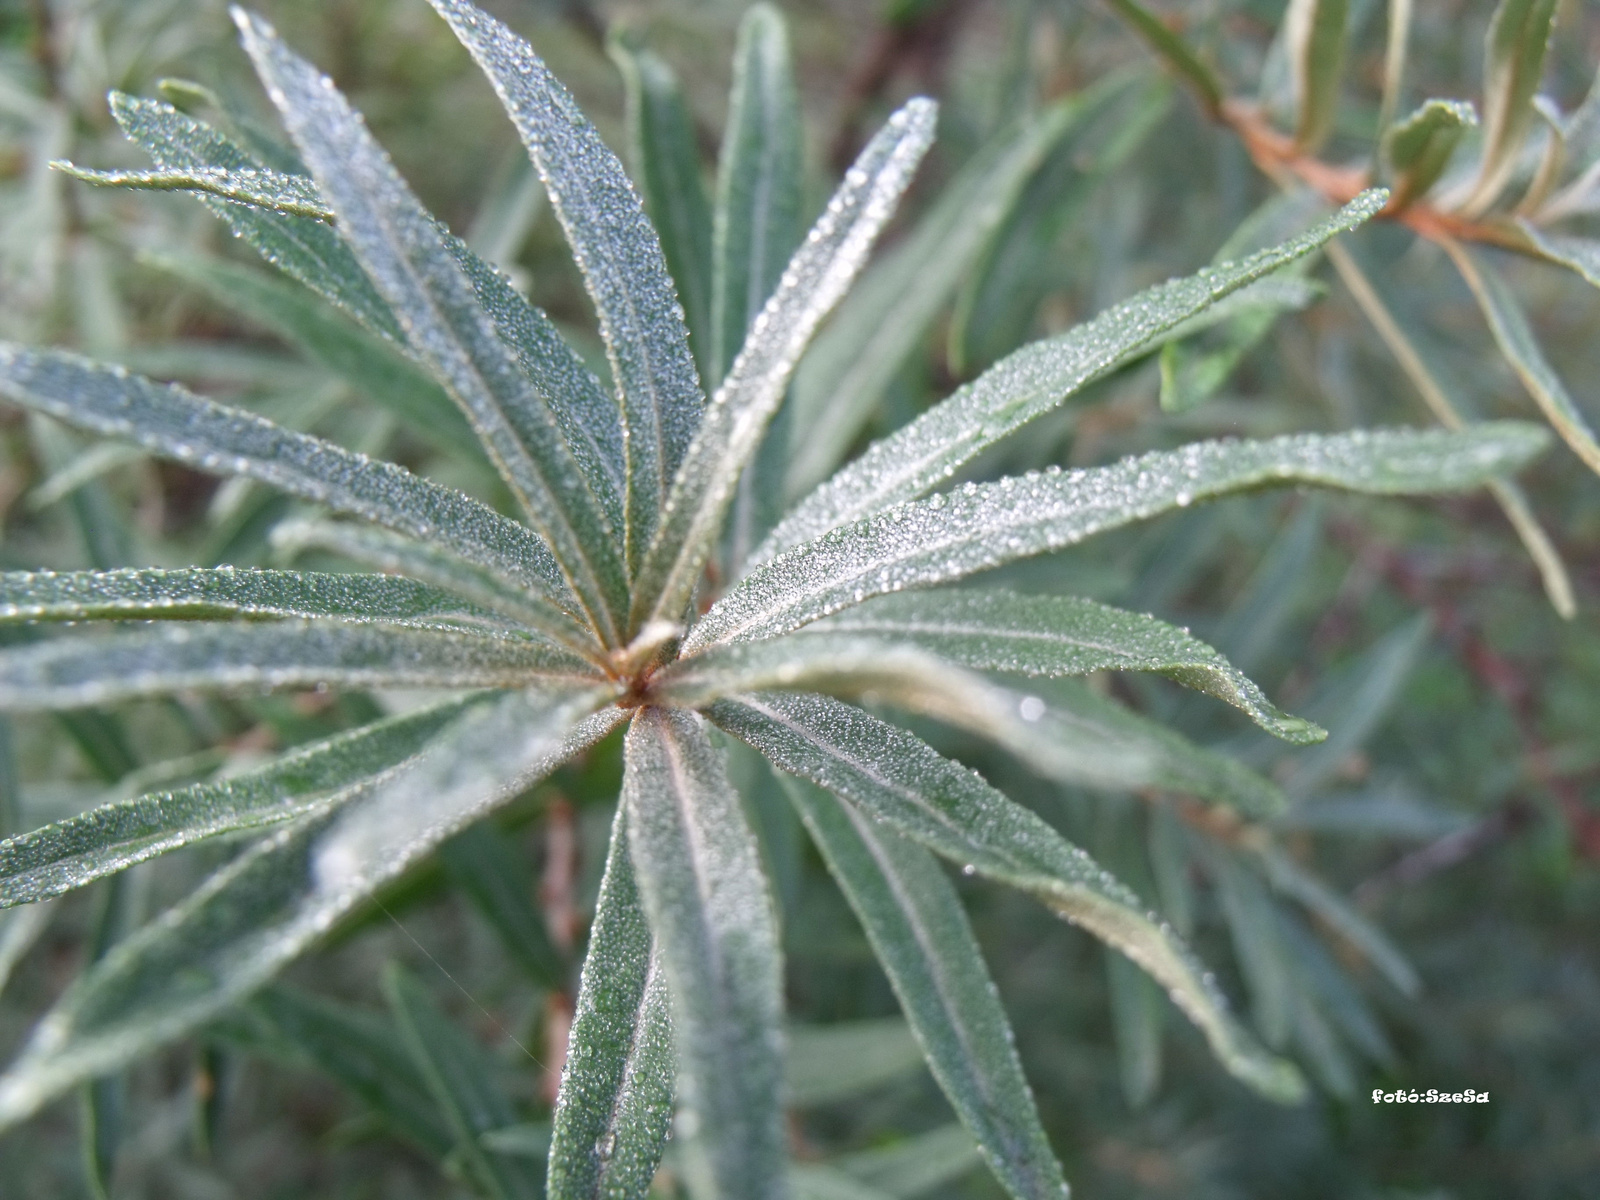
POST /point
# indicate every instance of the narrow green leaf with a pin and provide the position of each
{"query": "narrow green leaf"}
(700, 878)
(819, 1181)
(615, 1106)
(360, 1050)
(1057, 636)
(914, 1165)
(75, 672)
(1191, 373)
(666, 163)
(461, 1078)
(978, 526)
(829, 1063)
(1513, 62)
(57, 858)
(291, 195)
(1253, 923)
(620, 257)
(1517, 342)
(886, 317)
(730, 433)
(270, 903)
(20, 928)
(1136, 1020)
(485, 864)
(1173, 51)
(172, 422)
(1030, 382)
(412, 266)
(920, 933)
(1314, 33)
(757, 223)
(897, 778)
(370, 363)
(1418, 149)
(101, 1101)
(217, 593)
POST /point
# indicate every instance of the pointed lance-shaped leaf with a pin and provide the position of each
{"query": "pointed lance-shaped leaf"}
(921, 936)
(68, 854)
(1030, 382)
(730, 433)
(894, 777)
(1314, 32)
(270, 903)
(979, 526)
(994, 630)
(699, 875)
(217, 593)
(1173, 51)
(1513, 62)
(1418, 149)
(414, 270)
(291, 195)
(620, 257)
(615, 1104)
(80, 671)
(756, 222)
(170, 421)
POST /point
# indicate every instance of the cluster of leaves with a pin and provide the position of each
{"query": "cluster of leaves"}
(605, 614)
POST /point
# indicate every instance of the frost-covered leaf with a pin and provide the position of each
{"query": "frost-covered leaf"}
(1513, 62)
(895, 777)
(217, 593)
(412, 267)
(1030, 382)
(992, 630)
(854, 359)
(615, 1106)
(170, 421)
(666, 166)
(461, 1078)
(1517, 342)
(68, 854)
(730, 432)
(1419, 148)
(979, 526)
(620, 257)
(291, 195)
(920, 933)
(699, 875)
(757, 222)
(1314, 34)
(79, 671)
(270, 903)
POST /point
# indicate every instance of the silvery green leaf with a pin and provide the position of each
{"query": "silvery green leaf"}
(372, 364)
(916, 1165)
(992, 630)
(291, 195)
(895, 777)
(461, 1078)
(843, 375)
(841, 1060)
(306, 248)
(429, 563)
(699, 876)
(1030, 382)
(1314, 34)
(1515, 337)
(978, 526)
(489, 867)
(217, 593)
(615, 1105)
(270, 903)
(414, 270)
(1419, 148)
(920, 933)
(819, 1181)
(79, 671)
(730, 432)
(1513, 62)
(1137, 1017)
(1191, 373)
(1253, 925)
(170, 421)
(618, 253)
(68, 854)
(666, 162)
(1173, 50)
(756, 222)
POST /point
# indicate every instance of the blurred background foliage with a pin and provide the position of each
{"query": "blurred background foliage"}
(1453, 808)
